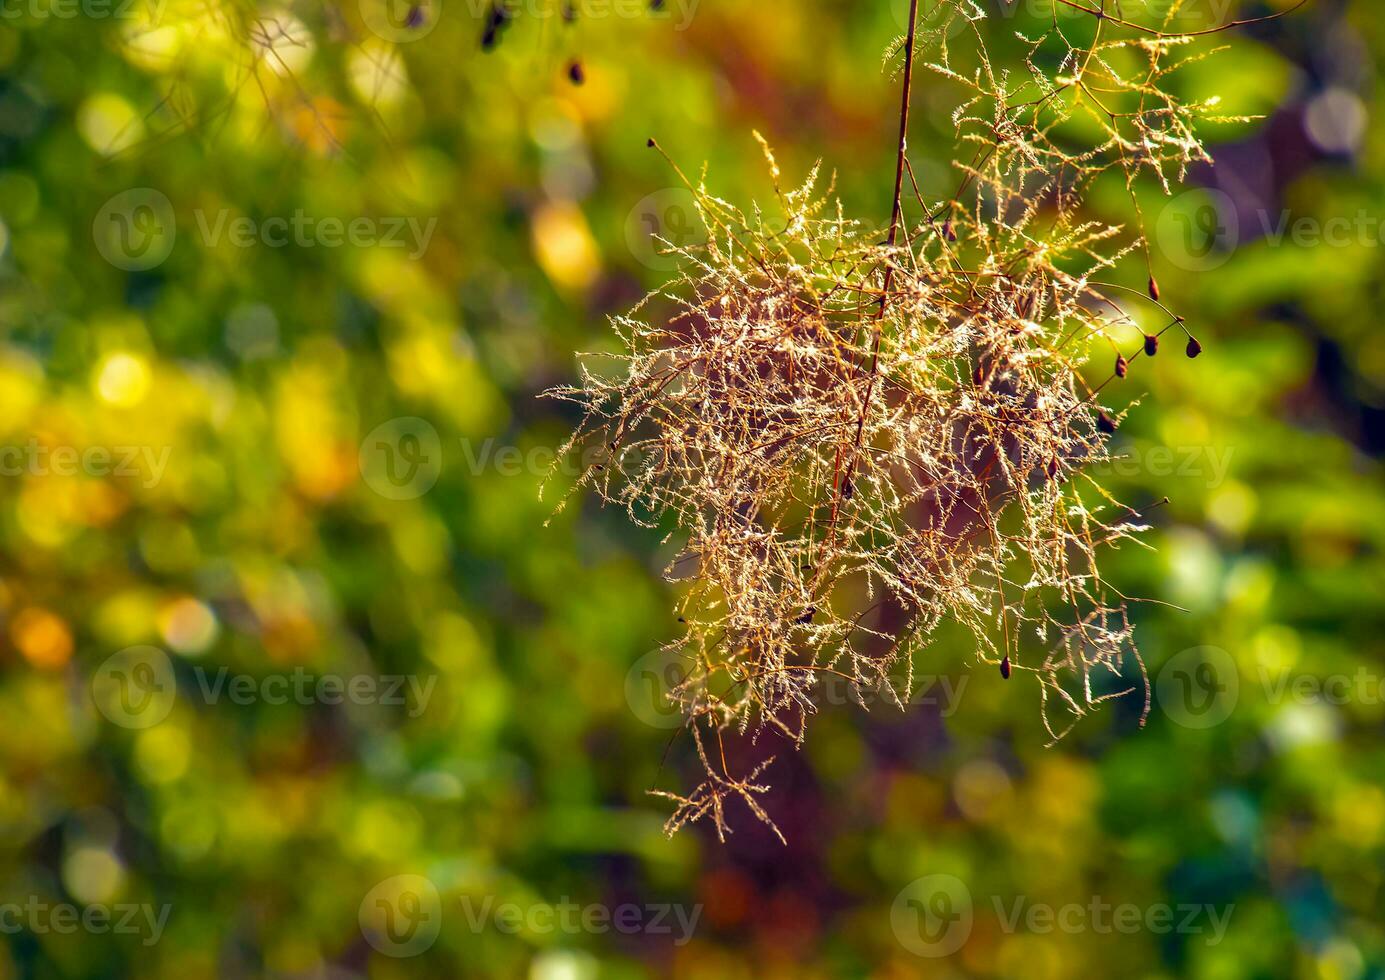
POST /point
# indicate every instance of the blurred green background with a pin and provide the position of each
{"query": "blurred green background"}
(280, 288)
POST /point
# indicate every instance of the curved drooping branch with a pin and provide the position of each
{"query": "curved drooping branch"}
(863, 440)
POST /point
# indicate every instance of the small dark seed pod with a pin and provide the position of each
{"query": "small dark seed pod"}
(1194, 348)
(1122, 365)
(1005, 667)
(1105, 423)
(1151, 345)
(576, 73)
(1153, 289)
(496, 21)
(948, 233)
(807, 616)
(1053, 468)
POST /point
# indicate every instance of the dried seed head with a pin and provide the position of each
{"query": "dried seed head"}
(1151, 345)
(1122, 365)
(1194, 348)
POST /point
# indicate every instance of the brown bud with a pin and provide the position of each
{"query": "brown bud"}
(1153, 289)
(1105, 423)
(1122, 365)
(576, 73)
(1194, 348)
(948, 233)
(1005, 667)
(1053, 468)
(1151, 345)
(650, 143)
